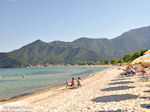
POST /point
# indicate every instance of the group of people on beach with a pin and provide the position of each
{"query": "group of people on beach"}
(74, 83)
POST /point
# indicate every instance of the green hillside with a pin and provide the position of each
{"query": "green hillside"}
(40, 52)
(79, 51)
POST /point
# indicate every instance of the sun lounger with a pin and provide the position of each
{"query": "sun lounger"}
(128, 73)
(147, 106)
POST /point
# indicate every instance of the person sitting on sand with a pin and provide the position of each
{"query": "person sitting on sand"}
(73, 82)
(79, 82)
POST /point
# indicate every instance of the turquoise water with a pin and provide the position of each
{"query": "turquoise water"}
(13, 84)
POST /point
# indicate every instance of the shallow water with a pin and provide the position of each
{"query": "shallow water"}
(12, 83)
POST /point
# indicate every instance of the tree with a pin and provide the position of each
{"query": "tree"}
(102, 62)
(127, 58)
(136, 55)
(107, 62)
(114, 61)
(143, 51)
(120, 61)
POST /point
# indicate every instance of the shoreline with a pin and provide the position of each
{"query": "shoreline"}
(105, 65)
(104, 91)
(57, 88)
(72, 99)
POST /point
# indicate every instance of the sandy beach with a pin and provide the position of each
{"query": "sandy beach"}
(105, 91)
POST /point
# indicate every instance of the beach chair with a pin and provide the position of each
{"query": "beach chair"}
(67, 84)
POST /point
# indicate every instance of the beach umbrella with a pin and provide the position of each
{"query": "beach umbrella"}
(137, 60)
(144, 58)
(147, 52)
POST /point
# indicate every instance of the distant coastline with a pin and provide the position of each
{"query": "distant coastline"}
(68, 65)
(59, 65)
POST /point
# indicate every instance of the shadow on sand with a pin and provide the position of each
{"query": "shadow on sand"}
(114, 98)
(122, 82)
(145, 98)
(147, 91)
(117, 88)
(119, 79)
(110, 111)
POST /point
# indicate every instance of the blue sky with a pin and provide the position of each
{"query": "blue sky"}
(24, 21)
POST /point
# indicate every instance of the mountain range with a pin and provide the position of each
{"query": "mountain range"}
(78, 51)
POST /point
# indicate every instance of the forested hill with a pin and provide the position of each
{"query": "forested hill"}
(128, 42)
(80, 50)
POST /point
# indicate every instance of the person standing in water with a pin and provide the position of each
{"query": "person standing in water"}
(23, 76)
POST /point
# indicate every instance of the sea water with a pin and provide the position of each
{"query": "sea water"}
(12, 82)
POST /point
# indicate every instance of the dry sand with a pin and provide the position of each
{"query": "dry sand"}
(105, 91)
